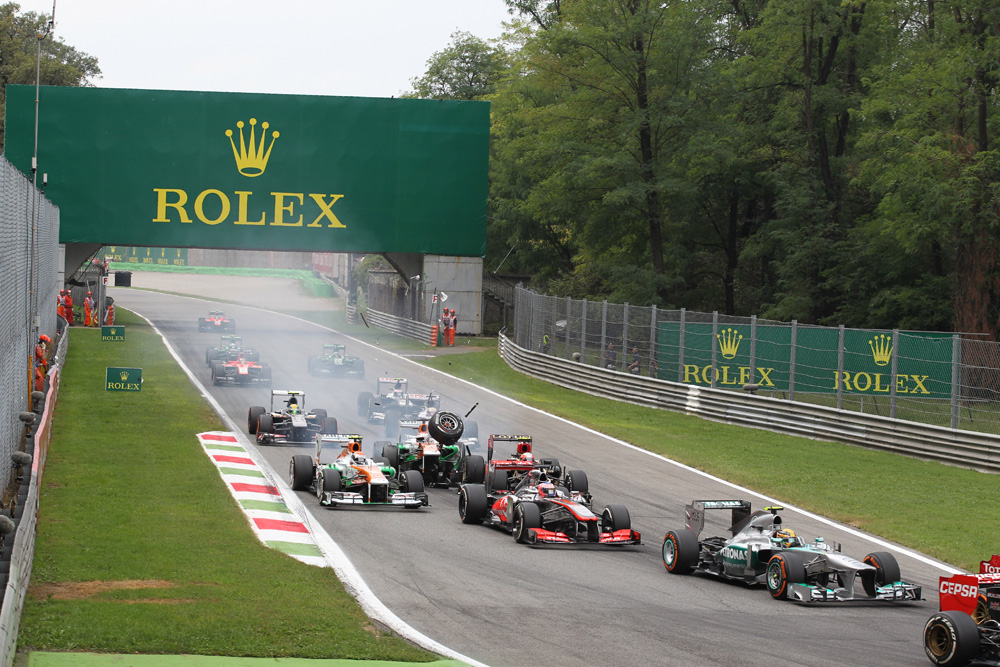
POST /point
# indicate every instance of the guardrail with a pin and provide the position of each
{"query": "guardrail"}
(425, 333)
(980, 451)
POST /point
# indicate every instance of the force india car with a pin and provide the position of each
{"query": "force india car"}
(509, 459)
(335, 362)
(229, 348)
(542, 511)
(392, 403)
(240, 371)
(216, 321)
(967, 628)
(762, 551)
(431, 447)
(289, 422)
(354, 479)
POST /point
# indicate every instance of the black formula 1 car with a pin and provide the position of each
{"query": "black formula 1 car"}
(335, 362)
(353, 479)
(289, 421)
(966, 630)
(392, 403)
(761, 550)
(230, 347)
(540, 511)
(431, 447)
(240, 371)
(216, 321)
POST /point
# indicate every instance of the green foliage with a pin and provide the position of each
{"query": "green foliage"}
(466, 70)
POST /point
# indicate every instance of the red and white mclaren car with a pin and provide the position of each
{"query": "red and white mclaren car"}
(540, 511)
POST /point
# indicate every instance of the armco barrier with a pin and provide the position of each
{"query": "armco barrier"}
(400, 326)
(980, 451)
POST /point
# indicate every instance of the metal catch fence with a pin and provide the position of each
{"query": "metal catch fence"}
(944, 379)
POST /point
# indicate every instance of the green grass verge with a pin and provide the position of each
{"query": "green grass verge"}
(944, 511)
(129, 496)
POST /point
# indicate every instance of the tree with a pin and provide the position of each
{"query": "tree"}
(466, 70)
(61, 64)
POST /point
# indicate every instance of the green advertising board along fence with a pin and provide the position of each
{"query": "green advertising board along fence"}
(146, 256)
(241, 170)
(822, 360)
(112, 333)
(123, 379)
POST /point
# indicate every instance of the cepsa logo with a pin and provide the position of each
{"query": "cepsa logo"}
(961, 590)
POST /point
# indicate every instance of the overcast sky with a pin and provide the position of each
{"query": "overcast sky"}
(368, 48)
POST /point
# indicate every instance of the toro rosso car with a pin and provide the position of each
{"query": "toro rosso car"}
(761, 550)
(240, 371)
(509, 459)
(967, 629)
(353, 479)
(540, 511)
(335, 362)
(216, 321)
(229, 348)
(289, 421)
(432, 449)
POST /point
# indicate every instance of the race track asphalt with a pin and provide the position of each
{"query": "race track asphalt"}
(475, 590)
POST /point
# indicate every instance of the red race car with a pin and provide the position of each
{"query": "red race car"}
(240, 370)
(216, 321)
(967, 628)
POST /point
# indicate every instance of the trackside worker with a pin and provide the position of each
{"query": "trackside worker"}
(61, 304)
(449, 326)
(41, 361)
(110, 318)
(88, 311)
(68, 301)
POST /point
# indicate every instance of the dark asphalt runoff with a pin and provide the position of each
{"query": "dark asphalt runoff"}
(475, 590)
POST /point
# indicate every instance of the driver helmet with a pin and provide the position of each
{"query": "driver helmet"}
(293, 406)
(546, 490)
(527, 456)
(785, 537)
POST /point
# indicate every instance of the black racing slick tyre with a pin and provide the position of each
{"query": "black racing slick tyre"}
(951, 638)
(300, 472)
(472, 503)
(615, 517)
(783, 570)
(555, 470)
(391, 454)
(364, 403)
(412, 481)
(445, 427)
(475, 469)
(218, 373)
(255, 412)
(886, 571)
(680, 551)
(526, 517)
(265, 424)
(497, 481)
(330, 481)
(576, 480)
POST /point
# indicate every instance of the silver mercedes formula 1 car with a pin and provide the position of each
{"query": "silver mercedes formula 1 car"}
(762, 551)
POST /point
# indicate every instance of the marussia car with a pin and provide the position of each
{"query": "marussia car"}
(967, 628)
(354, 479)
(392, 403)
(542, 511)
(289, 422)
(240, 371)
(509, 459)
(434, 449)
(335, 362)
(762, 551)
(229, 348)
(216, 321)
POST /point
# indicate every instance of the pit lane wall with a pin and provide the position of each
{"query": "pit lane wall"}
(979, 451)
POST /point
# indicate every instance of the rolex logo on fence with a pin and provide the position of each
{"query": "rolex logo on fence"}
(251, 160)
(729, 342)
(881, 346)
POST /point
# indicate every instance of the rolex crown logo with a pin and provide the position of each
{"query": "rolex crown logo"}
(113, 332)
(881, 346)
(251, 160)
(729, 342)
(123, 375)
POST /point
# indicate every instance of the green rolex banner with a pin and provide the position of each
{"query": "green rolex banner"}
(112, 333)
(123, 379)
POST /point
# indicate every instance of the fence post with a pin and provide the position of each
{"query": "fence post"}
(753, 348)
(604, 332)
(791, 364)
(892, 374)
(583, 333)
(840, 368)
(652, 345)
(624, 336)
(715, 340)
(680, 348)
(569, 302)
(956, 355)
